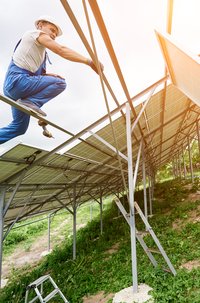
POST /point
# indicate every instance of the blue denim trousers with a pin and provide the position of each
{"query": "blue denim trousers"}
(35, 87)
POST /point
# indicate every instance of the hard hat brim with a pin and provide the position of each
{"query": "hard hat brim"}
(50, 20)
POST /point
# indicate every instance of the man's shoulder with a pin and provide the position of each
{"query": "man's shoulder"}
(31, 33)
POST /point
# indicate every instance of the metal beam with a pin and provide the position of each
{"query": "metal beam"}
(190, 159)
(142, 110)
(198, 134)
(108, 145)
(101, 211)
(14, 192)
(144, 183)
(2, 200)
(74, 222)
(131, 200)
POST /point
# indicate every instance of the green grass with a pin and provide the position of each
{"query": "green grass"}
(95, 269)
(25, 235)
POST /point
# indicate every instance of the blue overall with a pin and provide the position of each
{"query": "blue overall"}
(35, 87)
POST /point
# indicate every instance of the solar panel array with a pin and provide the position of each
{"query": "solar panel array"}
(91, 168)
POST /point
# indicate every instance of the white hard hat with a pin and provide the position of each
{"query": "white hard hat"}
(50, 20)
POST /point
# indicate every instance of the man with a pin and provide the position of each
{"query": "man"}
(26, 80)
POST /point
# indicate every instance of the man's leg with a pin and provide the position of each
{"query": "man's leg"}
(16, 128)
(37, 89)
(48, 88)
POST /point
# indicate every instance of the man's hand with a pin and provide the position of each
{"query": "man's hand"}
(93, 66)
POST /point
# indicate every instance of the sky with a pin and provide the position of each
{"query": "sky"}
(130, 24)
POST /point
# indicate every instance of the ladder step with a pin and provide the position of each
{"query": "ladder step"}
(51, 295)
(38, 281)
(33, 300)
(142, 232)
(153, 250)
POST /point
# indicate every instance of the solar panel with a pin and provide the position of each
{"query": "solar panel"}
(91, 166)
(183, 67)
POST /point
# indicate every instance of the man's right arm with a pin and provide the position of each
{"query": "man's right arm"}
(66, 52)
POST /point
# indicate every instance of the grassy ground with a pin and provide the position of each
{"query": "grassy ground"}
(104, 261)
(25, 235)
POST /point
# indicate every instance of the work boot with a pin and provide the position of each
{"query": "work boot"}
(32, 106)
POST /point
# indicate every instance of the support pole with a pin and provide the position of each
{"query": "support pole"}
(177, 168)
(184, 166)
(131, 199)
(118, 212)
(152, 187)
(101, 212)
(179, 165)
(173, 169)
(2, 199)
(190, 159)
(74, 222)
(144, 182)
(150, 195)
(198, 135)
(170, 7)
(49, 232)
(14, 193)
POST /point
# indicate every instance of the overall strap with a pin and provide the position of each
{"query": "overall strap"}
(47, 57)
(42, 68)
(17, 45)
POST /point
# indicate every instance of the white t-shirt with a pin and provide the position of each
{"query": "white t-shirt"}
(29, 53)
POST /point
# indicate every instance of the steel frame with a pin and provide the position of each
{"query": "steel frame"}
(79, 185)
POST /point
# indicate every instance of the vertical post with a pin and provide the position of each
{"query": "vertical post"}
(118, 210)
(49, 232)
(101, 212)
(179, 162)
(198, 135)
(131, 199)
(184, 166)
(176, 170)
(170, 7)
(144, 182)
(150, 195)
(190, 159)
(2, 199)
(152, 187)
(173, 169)
(177, 167)
(123, 201)
(74, 222)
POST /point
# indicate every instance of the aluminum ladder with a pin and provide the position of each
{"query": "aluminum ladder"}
(149, 230)
(38, 287)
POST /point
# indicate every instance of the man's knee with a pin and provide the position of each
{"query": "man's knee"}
(11, 131)
(61, 84)
(22, 130)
